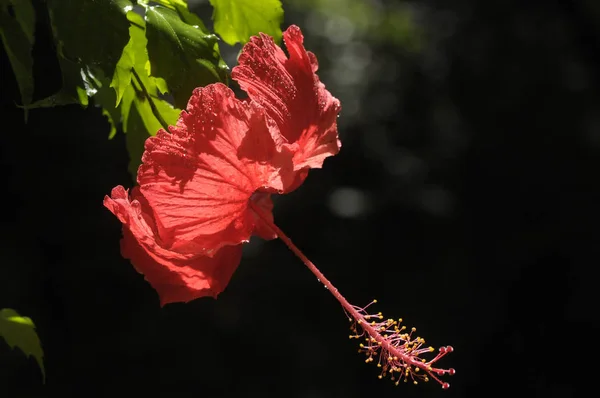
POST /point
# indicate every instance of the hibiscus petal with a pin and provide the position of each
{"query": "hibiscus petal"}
(202, 276)
(199, 178)
(175, 276)
(290, 91)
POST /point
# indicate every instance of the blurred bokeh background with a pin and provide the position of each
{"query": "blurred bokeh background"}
(465, 199)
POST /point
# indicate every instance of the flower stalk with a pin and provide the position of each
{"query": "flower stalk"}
(398, 353)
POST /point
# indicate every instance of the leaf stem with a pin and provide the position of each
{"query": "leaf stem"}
(155, 111)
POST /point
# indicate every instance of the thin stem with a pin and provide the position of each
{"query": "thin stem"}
(155, 111)
(360, 319)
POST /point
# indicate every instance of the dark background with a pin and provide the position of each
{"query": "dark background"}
(465, 199)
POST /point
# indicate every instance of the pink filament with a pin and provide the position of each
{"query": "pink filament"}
(397, 356)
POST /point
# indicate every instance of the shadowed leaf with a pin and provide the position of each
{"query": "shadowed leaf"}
(92, 33)
(17, 28)
(73, 90)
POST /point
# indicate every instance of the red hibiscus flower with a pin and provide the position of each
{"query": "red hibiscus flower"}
(184, 224)
(205, 188)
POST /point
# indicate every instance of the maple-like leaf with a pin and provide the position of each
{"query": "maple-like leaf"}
(201, 183)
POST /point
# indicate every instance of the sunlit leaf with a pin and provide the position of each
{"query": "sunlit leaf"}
(140, 94)
(106, 97)
(122, 76)
(111, 121)
(169, 113)
(185, 56)
(19, 331)
(184, 13)
(136, 136)
(140, 122)
(238, 20)
(17, 28)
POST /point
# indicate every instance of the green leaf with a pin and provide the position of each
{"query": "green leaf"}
(143, 107)
(111, 121)
(238, 20)
(134, 108)
(90, 36)
(185, 56)
(19, 331)
(106, 98)
(91, 32)
(17, 28)
(133, 54)
(184, 13)
(25, 16)
(136, 136)
(73, 89)
(139, 121)
(169, 113)
(122, 77)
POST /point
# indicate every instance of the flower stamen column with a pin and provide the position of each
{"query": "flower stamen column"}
(399, 353)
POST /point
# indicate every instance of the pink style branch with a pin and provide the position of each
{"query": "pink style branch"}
(205, 186)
